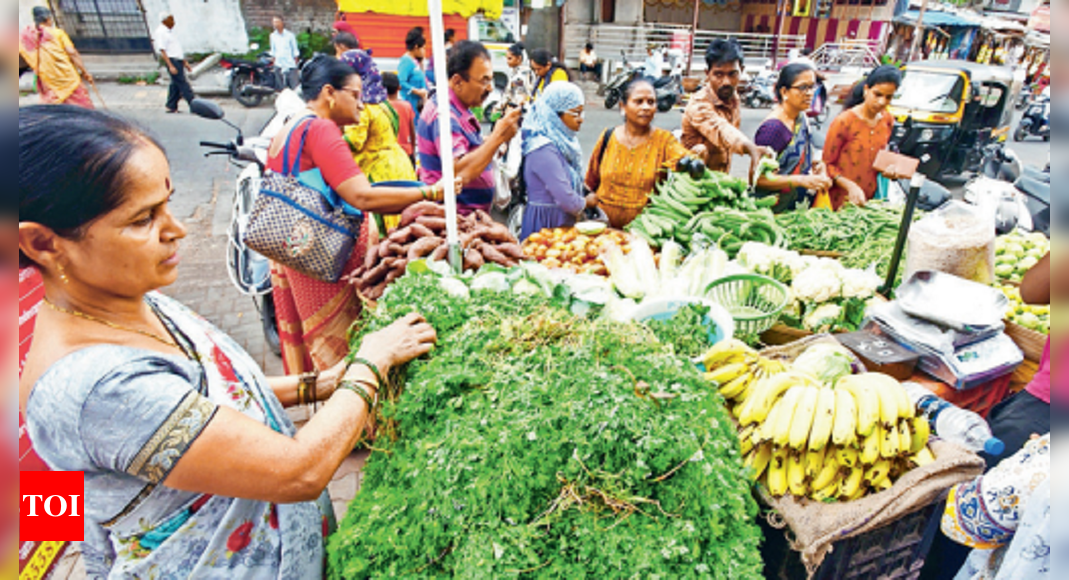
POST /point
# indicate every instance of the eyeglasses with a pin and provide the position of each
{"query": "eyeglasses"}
(805, 88)
(357, 94)
(580, 115)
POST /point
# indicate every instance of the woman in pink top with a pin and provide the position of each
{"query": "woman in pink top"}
(1027, 413)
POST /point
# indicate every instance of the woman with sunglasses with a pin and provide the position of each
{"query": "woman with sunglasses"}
(553, 169)
(787, 132)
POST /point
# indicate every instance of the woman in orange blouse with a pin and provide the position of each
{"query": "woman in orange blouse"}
(636, 157)
(858, 135)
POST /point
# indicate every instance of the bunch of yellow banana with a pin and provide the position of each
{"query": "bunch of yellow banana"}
(737, 369)
(831, 443)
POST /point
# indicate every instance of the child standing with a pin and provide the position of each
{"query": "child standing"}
(406, 131)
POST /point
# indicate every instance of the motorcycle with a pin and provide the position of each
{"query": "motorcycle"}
(251, 82)
(762, 92)
(249, 271)
(1018, 195)
(614, 89)
(1036, 121)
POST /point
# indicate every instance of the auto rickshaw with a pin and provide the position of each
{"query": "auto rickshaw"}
(953, 114)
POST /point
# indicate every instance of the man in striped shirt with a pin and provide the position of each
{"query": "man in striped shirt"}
(471, 79)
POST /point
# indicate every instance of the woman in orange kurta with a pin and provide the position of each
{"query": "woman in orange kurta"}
(636, 157)
(858, 135)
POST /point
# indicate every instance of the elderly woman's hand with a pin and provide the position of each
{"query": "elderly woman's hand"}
(401, 342)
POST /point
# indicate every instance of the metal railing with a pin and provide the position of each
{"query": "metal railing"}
(610, 40)
(848, 54)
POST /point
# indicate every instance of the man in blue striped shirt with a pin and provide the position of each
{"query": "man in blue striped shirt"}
(471, 78)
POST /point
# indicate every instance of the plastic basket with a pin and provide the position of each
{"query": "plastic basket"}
(755, 302)
(895, 552)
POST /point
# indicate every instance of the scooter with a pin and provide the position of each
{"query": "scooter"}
(614, 89)
(249, 271)
(1019, 195)
(1036, 121)
(762, 93)
(251, 82)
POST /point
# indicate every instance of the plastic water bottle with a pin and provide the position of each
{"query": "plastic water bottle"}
(954, 424)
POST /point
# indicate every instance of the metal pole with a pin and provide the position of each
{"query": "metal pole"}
(918, 30)
(445, 132)
(781, 7)
(693, 36)
(903, 232)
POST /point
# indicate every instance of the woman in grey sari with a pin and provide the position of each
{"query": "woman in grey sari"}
(192, 468)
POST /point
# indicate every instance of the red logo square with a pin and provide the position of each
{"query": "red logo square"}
(51, 506)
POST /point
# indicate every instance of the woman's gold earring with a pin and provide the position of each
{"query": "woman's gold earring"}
(332, 104)
(63, 275)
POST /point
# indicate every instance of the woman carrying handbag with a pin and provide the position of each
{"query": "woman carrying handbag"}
(315, 311)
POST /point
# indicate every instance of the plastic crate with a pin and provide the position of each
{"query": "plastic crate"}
(980, 400)
(894, 552)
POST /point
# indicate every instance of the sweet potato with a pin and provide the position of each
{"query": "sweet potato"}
(436, 224)
(401, 236)
(498, 233)
(513, 251)
(483, 218)
(491, 254)
(473, 260)
(421, 231)
(371, 258)
(423, 208)
(440, 253)
(376, 291)
(424, 247)
(384, 249)
(396, 273)
(397, 250)
(374, 276)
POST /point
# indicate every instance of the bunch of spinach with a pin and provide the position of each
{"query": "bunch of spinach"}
(535, 444)
(685, 332)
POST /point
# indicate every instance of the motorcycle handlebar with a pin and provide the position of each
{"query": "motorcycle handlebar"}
(215, 145)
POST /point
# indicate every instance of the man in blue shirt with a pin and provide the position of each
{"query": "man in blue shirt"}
(285, 51)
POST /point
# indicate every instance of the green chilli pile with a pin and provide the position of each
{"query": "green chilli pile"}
(536, 444)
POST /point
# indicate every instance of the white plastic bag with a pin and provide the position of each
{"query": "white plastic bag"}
(957, 239)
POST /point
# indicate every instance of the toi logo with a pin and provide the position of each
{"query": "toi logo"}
(51, 506)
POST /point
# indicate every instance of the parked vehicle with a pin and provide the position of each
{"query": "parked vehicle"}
(1020, 195)
(1036, 120)
(614, 89)
(950, 113)
(762, 91)
(249, 271)
(251, 82)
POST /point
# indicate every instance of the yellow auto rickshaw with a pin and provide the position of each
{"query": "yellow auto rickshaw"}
(953, 114)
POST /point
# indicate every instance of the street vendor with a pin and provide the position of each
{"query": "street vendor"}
(857, 136)
(787, 132)
(630, 160)
(192, 467)
(1027, 413)
(713, 117)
